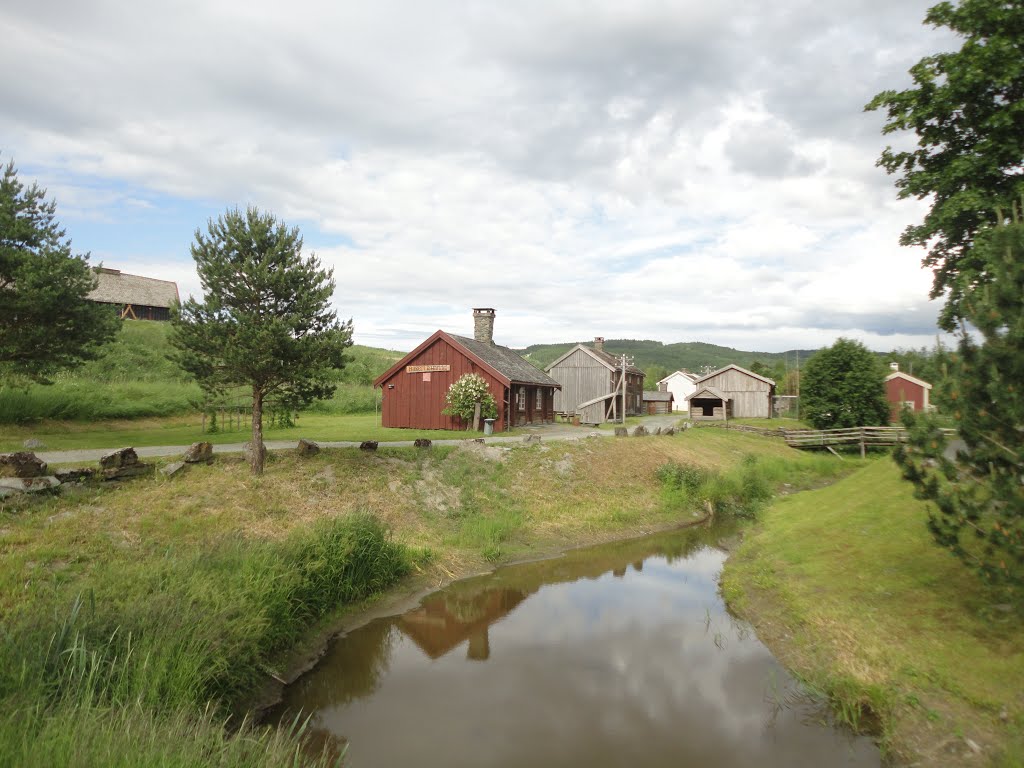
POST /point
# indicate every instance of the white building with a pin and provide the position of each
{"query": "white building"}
(681, 384)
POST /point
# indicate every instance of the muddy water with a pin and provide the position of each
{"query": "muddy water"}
(618, 655)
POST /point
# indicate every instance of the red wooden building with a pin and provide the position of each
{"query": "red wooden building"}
(414, 388)
(905, 391)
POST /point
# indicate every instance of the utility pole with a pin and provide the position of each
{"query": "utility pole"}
(624, 361)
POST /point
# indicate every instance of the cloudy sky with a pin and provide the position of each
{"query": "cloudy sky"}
(679, 171)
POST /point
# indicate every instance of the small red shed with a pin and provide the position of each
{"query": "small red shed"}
(414, 388)
(905, 391)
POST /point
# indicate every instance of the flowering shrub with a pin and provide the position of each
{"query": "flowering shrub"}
(464, 394)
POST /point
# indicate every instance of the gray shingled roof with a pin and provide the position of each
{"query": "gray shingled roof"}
(119, 288)
(714, 392)
(507, 362)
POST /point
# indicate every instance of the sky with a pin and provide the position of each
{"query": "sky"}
(676, 171)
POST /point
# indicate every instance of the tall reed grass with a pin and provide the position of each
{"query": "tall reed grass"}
(743, 490)
(191, 638)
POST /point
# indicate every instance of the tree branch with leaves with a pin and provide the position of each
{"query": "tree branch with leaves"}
(265, 321)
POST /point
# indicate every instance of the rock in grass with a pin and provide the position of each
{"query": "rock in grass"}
(122, 457)
(621, 432)
(368, 445)
(640, 431)
(310, 448)
(29, 484)
(33, 445)
(422, 443)
(21, 464)
(74, 475)
(170, 470)
(132, 470)
(199, 452)
(531, 439)
(668, 431)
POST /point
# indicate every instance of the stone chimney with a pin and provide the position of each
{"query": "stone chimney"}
(894, 366)
(483, 325)
(599, 343)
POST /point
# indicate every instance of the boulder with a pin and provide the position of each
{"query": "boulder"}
(199, 452)
(33, 445)
(621, 432)
(368, 445)
(74, 475)
(668, 431)
(170, 470)
(422, 443)
(29, 484)
(309, 448)
(122, 457)
(132, 470)
(21, 464)
(640, 431)
(657, 431)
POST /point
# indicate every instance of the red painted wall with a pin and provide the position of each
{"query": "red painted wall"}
(412, 403)
(898, 391)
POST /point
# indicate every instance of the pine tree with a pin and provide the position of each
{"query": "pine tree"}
(46, 322)
(978, 490)
(265, 321)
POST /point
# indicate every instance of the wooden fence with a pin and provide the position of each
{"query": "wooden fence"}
(863, 436)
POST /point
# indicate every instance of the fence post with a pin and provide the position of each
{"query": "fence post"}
(862, 451)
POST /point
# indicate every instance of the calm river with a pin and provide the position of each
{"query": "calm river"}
(620, 655)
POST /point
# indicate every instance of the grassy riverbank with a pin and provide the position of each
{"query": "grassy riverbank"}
(847, 587)
(137, 617)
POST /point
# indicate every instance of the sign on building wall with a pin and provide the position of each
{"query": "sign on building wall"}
(426, 368)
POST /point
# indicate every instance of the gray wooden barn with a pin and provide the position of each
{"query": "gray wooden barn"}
(591, 381)
(732, 392)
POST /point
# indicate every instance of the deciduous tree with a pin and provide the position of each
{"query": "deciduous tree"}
(46, 322)
(265, 321)
(844, 386)
(967, 109)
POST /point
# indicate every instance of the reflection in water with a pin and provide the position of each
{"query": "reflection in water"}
(588, 662)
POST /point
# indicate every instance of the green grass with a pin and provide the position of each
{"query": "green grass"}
(169, 639)
(137, 617)
(134, 378)
(849, 588)
(66, 436)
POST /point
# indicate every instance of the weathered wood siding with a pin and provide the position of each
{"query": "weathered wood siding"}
(749, 397)
(582, 378)
(411, 401)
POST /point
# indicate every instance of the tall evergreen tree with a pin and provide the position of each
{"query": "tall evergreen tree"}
(46, 322)
(978, 490)
(265, 322)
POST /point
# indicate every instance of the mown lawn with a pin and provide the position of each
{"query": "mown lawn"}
(848, 588)
(184, 430)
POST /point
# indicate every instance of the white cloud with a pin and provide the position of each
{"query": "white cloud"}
(681, 171)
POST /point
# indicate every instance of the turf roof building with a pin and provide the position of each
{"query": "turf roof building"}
(414, 388)
(134, 297)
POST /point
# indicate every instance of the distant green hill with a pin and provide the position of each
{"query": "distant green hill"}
(691, 355)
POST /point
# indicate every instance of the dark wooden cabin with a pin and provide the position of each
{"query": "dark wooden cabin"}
(656, 403)
(414, 388)
(134, 297)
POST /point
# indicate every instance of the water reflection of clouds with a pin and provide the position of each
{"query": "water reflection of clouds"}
(645, 667)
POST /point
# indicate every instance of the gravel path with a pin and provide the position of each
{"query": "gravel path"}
(547, 432)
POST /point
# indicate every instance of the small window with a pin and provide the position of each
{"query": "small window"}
(521, 398)
(540, 399)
